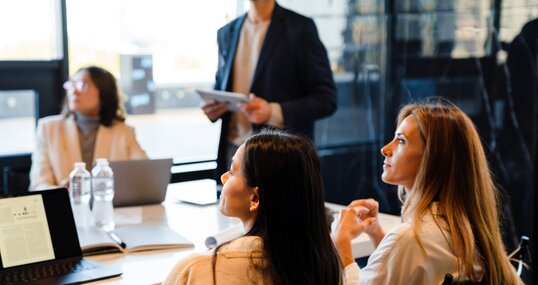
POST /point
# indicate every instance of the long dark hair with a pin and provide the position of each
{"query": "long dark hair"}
(109, 96)
(291, 217)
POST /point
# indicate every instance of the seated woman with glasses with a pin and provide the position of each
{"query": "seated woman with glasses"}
(91, 126)
(450, 206)
(274, 186)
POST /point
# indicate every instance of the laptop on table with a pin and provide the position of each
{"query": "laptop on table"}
(140, 182)
(39, 242)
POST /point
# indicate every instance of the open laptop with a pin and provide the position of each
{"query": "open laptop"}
(39, 242)
(140, 182)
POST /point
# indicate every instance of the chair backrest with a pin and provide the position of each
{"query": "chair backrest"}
(15, 180)
(519, 258)
(449, 280)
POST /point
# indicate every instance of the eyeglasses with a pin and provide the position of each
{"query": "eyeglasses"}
(79, 85)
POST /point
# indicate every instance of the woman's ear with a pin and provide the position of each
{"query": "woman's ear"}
(254, 200)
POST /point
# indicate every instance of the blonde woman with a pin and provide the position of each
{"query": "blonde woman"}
(450, 206)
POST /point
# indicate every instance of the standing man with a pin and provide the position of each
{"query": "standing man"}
(276, 57)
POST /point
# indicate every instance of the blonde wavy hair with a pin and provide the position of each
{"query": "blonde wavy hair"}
(454, 172)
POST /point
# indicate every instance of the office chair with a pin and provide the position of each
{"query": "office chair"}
(521, 255)
(15, 180)
(449, 280)
(517, 258)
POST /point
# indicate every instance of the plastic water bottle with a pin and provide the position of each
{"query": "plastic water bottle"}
(80, 193)
(103, 192)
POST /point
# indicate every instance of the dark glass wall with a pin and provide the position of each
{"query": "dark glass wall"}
(454, 49)
(481, 55)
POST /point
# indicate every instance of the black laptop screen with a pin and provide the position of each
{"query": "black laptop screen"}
(35, 227)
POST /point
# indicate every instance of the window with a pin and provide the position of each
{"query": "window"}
(160, 52)
(30, 30)
(17, 121)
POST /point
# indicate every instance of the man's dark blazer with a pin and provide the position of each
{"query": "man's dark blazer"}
(292, 69)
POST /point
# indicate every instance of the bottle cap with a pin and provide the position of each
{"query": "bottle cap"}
(101, 161)
(80, 164)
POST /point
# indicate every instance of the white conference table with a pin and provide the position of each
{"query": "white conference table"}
(193, 222)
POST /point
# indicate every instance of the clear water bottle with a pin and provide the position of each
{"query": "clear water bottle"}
(103, 192)
(80, 193)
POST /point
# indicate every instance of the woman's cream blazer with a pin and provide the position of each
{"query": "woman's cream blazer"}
(58, 148)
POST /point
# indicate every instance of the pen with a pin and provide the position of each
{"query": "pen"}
(117, 239)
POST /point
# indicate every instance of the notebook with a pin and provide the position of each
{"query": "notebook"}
(131, 238)
(140, 182)
(39, 243)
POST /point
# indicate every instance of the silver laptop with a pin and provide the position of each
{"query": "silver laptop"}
(39, 243)
(140, 182)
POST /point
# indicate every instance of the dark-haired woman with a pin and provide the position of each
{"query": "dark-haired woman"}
(274, 186)
(91, 126)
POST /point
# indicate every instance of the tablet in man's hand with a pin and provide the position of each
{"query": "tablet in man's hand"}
(230, 99)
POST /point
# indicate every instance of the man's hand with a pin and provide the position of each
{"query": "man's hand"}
(258, 111)
(213, 109)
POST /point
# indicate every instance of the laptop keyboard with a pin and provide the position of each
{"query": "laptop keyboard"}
(45, 271)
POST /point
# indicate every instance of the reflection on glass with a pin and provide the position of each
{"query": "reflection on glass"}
(456, 29)
(460, 90)
(360, 77)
